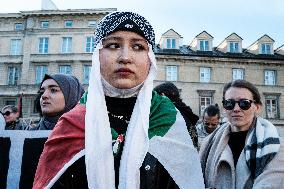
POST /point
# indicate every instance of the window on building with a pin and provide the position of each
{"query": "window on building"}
(171, 43)
(43, 45)
(204, 101)
(265, 48)
(68, 23)
(13, 75)
(238, 73)
(10, 102)
(16, 47)
(234, 47)
(19, 26)
(34, 107)
(40, 72)
(67, 45)
(65, 69)
(272, 109)
(205, 74)
(270, 77)
(92, 24)
(204, 45)
(90, 42)
(87, 69)
(45, 24)
(171, 73)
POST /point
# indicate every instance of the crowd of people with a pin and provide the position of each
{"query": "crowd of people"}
(125, 133)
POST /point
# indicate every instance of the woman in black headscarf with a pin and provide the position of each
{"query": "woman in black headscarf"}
(121, 135)
(57, 95)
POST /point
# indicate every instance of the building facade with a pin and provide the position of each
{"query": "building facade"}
(200, 70)
(33, 43)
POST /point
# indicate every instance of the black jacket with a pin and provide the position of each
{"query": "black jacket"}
(190, 120)
(152, 176)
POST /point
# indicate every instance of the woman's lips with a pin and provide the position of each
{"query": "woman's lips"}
(45, 103)
(124, 71)
(236, 116)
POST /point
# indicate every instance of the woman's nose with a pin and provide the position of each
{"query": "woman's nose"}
(125, 56)
(45, 94)
(237, 107)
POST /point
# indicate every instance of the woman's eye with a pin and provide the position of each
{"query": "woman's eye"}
(138, 47)
(53, 90)
(112, 46)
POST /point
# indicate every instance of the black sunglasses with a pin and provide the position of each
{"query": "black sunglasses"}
(244, 104)
(6, 113)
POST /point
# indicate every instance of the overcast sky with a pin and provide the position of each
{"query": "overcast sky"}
(250, 19)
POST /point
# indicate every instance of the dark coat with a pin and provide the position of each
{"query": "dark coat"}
(75, 176)
(190, 120)
(16, 125)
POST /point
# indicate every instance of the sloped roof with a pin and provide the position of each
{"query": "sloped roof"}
(185, 50)
(173, 31)
(229, 37)
(265, 35)
(232, 35)
(205, 33)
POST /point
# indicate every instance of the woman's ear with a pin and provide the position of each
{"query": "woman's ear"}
(258, 108)
(17, 114)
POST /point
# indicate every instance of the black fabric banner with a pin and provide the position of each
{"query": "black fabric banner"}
(19, 155)
(5, 145)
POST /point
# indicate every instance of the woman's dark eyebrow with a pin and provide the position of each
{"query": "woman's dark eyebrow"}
(120, 39)
(138, 40)
(50, 86)
(112, 38)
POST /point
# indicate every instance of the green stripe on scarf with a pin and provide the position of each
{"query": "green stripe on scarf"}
(83, 99)
(162, 114)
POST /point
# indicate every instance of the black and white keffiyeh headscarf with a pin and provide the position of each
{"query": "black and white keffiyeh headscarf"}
(125, 21)
(98, 138)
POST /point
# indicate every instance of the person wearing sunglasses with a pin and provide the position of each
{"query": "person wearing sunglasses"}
(210, 121)
(11, 115)
(245, 152)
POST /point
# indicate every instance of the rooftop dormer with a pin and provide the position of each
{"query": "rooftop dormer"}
(170, 40)
(280, 50)
(202, 42)
(263, 45)
(231, 44)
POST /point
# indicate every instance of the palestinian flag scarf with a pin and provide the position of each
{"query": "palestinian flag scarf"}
(167, 136)
(94, 137)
